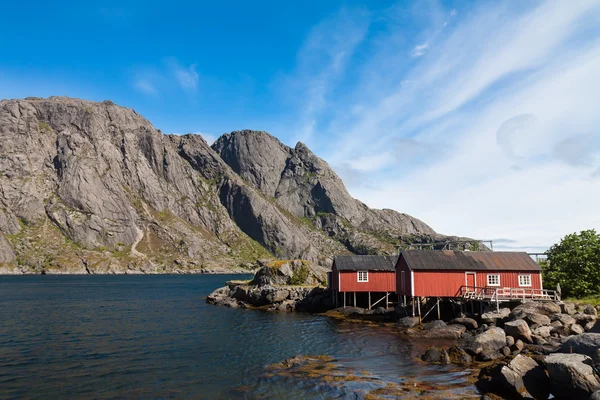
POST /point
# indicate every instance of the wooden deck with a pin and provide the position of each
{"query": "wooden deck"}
(501, 294)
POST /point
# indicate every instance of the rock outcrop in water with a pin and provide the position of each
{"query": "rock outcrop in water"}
(89, 187)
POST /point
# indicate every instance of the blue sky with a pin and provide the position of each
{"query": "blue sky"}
(480, 118)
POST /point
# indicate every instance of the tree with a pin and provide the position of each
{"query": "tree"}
(575, 264)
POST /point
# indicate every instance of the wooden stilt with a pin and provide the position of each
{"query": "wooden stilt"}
(387, 302)
(438, 308)
(354, 299)
(369, 300)
(419, 308)
(412, 300)
(344, 299)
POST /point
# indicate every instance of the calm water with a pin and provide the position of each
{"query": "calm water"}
(145, 337)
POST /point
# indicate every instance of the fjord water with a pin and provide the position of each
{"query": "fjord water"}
(126, 336)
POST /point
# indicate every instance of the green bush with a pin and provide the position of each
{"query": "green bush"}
(300, 275)
(574, 263)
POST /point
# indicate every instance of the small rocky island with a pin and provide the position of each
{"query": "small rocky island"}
(530, 350)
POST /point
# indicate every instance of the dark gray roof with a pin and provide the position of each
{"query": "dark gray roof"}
(469, 260)
(365, 263)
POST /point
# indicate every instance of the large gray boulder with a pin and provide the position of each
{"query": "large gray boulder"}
(546, 308)
(519, 330)
(446, 332)
(492, 317)
(524, 378)
(468, 323)
(491, 340)
(564, 319)
(408, 322)
(571, 376)
(586, 343)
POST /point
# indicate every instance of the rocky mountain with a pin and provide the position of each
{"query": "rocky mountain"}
(90, 187)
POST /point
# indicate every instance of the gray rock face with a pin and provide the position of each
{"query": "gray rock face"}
(571, 376)
(307, 187)
(90, 187)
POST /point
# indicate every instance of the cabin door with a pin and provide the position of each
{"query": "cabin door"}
(470, 280)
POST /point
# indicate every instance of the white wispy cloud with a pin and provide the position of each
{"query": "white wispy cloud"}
(186, 76)
(145, 86)
(420, 49)
(494, 133)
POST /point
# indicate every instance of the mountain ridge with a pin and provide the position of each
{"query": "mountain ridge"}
(92, 187)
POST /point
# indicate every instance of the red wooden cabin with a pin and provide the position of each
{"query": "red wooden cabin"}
(364, 278)
(446, 273)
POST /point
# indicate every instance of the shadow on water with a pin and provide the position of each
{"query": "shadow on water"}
(154, 337)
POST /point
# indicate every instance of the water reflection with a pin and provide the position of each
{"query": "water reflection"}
(154, 337)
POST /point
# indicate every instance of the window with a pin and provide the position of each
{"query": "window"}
(493, 280)
(524, 280)
(363, 276)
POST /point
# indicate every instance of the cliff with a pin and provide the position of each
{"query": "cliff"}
(89, 187)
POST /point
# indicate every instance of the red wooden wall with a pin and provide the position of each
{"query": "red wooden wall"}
(379, 281)
(447, 283)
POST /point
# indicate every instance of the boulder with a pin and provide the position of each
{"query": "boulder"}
(591, 310)
(505, 351)
(510, 341)
(408, 322)
(586, 343)
(571, 376)
(519, 330)
(518, 345)
(543, 331)
(459, 356)
(446, 332)
(537, 319)
(523, 378)
(356, 310)
(546, 308)
(379, 311)
(445, 357)
(568, 308)
(468, 323)
(595, 395)
(494, 316)
(589, 325)
(432, 354)
(582, 318)
(577, 329)
(488, 355)
(434, 325)
(564, 319)
(561, 331)
(557, 324)
(492, 340)
(538, 340)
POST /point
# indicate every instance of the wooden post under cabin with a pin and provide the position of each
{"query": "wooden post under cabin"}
(387, 303)
(413, 305)
(419, 308)
(369, 300)
(438, 308)
(344, 299)
(354, 299)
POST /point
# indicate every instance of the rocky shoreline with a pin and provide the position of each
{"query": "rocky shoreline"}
(534, 350)
(4, 271)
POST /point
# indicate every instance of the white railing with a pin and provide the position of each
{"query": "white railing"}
(506, 293)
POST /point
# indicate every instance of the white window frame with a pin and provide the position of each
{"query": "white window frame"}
(493, 284)
(529, 279)
(362, 276)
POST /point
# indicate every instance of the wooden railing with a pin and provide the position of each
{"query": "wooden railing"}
(505, 293)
